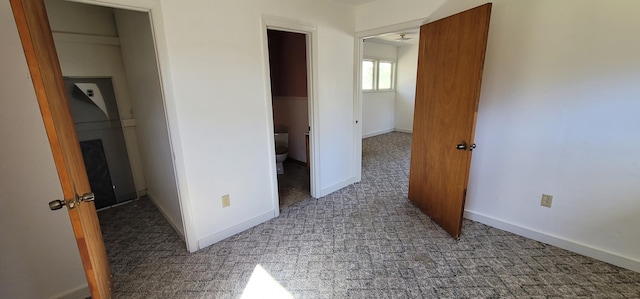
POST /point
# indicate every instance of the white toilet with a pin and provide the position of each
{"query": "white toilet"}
(282, 146)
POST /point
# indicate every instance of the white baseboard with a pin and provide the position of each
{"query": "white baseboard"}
(79, 293)
(596, 253)
(238, 228)
(377, 133)
(403, 130)
(177, 227)
(336, 187)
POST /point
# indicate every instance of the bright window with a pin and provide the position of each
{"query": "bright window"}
(385, 75)
(378, 74)
(368, 74)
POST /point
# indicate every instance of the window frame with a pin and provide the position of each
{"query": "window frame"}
(374, 78)
(376, 74)
(392, 79)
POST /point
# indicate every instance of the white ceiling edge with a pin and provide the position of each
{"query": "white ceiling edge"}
(355, 2)
(401, 27)
(392, 38)
(388, 34)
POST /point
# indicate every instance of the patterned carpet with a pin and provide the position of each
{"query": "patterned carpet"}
(293, 185)
(365, 241)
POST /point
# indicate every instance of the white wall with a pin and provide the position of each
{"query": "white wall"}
(378, 116)
(378, 112)
(406, 87)
(223, 114)
(372, 49)
(30, 233)
(291, 115)
(558, 114)
(138, 52)
(84, 50)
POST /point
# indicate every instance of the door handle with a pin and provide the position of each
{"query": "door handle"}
(71, 203)
(463, 146)
(57, 204)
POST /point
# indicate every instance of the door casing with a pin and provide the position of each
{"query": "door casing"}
(357, 91)
(44, 87)
(154, 9)
(309, 30)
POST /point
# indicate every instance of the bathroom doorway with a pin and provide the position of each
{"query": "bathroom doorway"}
(290, 93)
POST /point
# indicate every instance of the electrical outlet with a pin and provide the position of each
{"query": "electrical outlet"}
(546, 200)
(226, 200)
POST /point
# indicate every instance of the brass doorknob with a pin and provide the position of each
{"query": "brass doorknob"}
(56, 204)
(71, 203)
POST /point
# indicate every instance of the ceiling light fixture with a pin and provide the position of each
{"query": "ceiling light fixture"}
(402, 38)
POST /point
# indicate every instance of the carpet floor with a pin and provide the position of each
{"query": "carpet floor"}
(364, 241)
(293, 185)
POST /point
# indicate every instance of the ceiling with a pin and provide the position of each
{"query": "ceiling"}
(355, 2)
(392, 38)
(389, 38)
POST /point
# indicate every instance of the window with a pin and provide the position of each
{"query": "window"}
(368, 72)
(385, 75)
(377, 74)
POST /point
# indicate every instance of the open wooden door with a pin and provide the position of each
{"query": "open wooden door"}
(39, 49)
(450, 63)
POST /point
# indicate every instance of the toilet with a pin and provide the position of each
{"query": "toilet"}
(282, 146)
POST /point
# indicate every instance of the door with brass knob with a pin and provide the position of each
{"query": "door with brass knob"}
(40, 53)
(450, 60)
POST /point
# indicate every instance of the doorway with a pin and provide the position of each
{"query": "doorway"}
(288, 70)
(118, 52)
(388, 66)
(449, 75)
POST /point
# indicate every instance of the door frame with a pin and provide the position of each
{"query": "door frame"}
(310, 32)
(153, 8)
(358, 56)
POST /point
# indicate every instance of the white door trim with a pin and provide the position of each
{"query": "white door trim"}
(357, 93)
(310, 30)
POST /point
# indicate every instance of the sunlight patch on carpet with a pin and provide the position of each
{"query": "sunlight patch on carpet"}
(262, 285)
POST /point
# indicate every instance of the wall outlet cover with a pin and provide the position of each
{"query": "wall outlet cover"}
(546, 200)
(226, 200)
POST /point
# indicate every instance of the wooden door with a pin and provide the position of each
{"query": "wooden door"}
(450, 62)
(40, 52)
